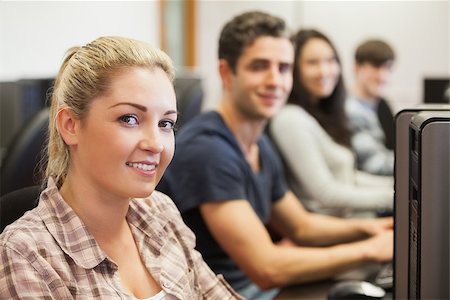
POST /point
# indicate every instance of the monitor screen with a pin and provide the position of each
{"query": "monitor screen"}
(436, 90)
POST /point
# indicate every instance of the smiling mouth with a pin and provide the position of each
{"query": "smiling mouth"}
(141, 166)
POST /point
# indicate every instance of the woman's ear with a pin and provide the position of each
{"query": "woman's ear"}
(68, 126)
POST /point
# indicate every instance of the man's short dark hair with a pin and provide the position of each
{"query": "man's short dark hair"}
(243, 30)
(375, 52)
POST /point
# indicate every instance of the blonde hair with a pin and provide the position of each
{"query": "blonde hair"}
(85, 74)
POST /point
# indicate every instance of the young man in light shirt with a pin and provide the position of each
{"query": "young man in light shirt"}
(373, 68)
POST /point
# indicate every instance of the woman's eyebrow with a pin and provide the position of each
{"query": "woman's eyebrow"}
(138, 106)
(171, 112)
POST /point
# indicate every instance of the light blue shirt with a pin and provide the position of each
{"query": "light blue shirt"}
(368, 138)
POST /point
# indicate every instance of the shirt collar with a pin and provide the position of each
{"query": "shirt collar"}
(76, 241)
(145, 217)
(367, 104)
(68, 229)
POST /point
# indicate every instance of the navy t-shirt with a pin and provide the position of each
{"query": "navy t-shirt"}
(209, 166)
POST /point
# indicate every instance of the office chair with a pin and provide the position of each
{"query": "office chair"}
(20, 101)
(386, 118)
(14, 204)
(189, 93)
(18, 167)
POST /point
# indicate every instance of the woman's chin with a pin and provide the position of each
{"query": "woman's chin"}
(144, 193)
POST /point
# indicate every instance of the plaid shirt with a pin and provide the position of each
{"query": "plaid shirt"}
(50, 254)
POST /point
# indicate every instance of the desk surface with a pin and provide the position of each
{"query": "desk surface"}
(319, 290)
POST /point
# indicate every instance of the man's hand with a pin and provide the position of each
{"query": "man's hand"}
(373, 227)
(380, 248)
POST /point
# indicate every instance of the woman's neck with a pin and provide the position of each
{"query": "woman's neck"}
(104, 215)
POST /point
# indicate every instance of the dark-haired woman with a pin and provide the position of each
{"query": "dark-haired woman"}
(312, 135)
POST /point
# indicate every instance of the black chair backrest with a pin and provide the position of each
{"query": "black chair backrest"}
(386, 118)
(13, 205)
(189, 94)
(18, 167)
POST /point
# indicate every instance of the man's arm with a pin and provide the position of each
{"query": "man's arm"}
(291, 219)
(239, 231)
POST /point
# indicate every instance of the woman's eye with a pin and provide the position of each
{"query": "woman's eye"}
(167, 124)
(129, 120)
(332, 60)
(312, 62)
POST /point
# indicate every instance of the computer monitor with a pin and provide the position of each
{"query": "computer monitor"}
(436, 90)
(429, 197)
(401, 203)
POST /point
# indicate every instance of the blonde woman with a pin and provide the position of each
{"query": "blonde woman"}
(100, 230)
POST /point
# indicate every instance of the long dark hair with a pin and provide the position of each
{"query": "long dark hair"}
(329, 111)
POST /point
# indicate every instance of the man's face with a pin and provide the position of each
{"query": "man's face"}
(263, 77)
(372, 79)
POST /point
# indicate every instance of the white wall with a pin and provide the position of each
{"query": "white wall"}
(34, 36)
(418, 30)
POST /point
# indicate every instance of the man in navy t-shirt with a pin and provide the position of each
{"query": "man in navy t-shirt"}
(228, 182)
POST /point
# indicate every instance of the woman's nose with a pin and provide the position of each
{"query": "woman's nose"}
(151, 141)
(324, 69)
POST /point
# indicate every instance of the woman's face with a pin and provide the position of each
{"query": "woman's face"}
(126, 140)
(319, 68)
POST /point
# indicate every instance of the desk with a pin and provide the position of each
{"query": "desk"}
(316, 290)
(319, 290)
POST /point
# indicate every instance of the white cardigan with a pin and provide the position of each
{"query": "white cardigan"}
(323, 173)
